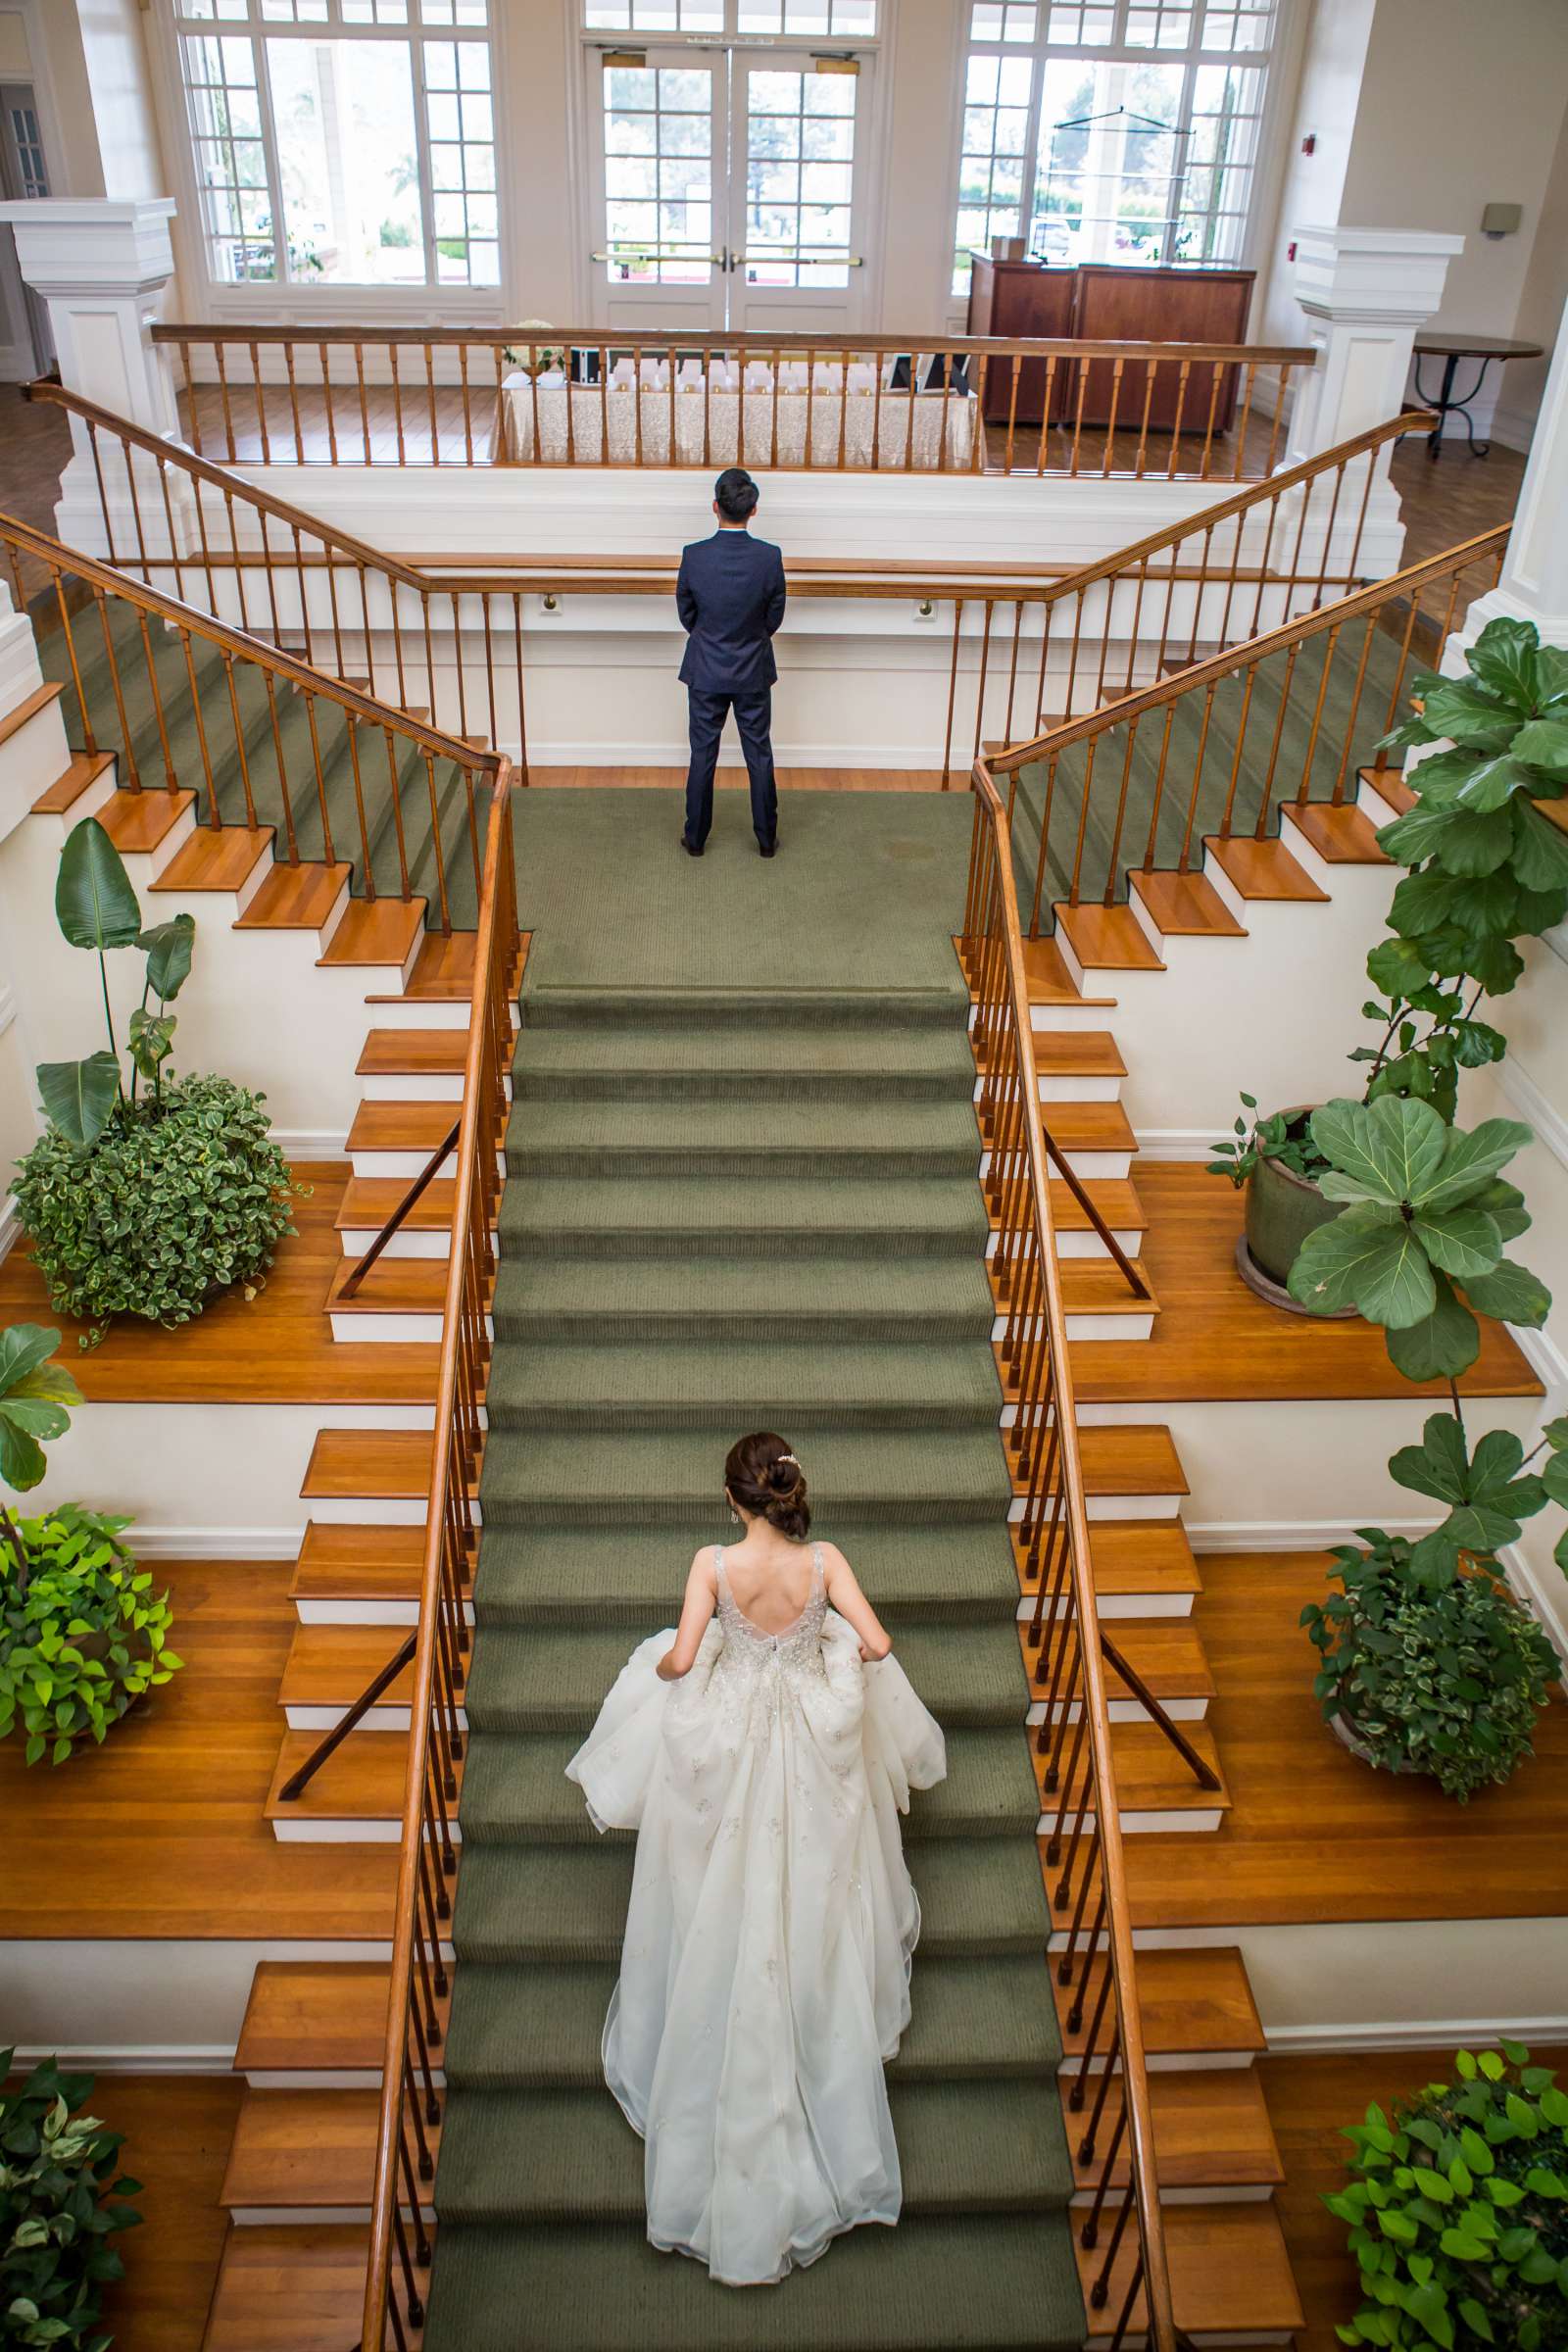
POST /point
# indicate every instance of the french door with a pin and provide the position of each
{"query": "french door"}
(729, 189)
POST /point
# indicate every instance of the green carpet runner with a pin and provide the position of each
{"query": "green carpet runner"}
(742, 1197)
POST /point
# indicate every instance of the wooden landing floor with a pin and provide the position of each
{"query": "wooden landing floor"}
(1313, 1835)
(277, 1347)
(1309, 2101)
(1213, 1339)
(161, 1832)
(177, 2129)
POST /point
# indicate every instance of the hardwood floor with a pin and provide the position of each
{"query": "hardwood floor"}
(733, 779)
(1214, 1338)
(1313, 1835)
(1309, 2101)
(277, 1347)
(177, 2128)
(161, 1832)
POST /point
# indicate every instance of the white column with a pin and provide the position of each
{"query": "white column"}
(102, 267)
(1534, 582)
(1366, 293)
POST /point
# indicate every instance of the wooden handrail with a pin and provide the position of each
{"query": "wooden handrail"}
(717, 338)
(1049, 1457)
(408, 2104)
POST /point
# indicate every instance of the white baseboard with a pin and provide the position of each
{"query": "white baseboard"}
(1441, 2036)
(135, 2058)
(1287, 1534)
(10, 1226)
(1180, 1143)
(150, 1542)
(312, 1142)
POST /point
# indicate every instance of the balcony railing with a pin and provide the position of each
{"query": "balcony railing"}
(702, 398)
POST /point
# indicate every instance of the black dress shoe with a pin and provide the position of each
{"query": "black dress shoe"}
(766, 849)
(692, 849)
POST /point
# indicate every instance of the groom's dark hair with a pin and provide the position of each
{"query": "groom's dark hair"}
(736, 493)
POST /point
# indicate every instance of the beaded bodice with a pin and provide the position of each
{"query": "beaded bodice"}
(798, 1646)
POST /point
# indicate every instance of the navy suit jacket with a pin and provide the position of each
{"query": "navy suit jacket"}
(730, 598)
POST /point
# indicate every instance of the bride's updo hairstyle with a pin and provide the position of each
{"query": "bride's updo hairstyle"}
(764, 1478)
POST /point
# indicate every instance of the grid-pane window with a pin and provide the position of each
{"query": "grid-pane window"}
(806, 20)
(799, 165)
(1143, 139)
(658, 174)
(343, 142)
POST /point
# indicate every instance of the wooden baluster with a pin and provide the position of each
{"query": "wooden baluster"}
(327, 851)
(103, 491)
(435, 834)
(1142, 423)
(1116, 367)
(707, 404)
(1224, 827)
(1321, 588)
(397, 402)
(213, 817)
(240, 753)
(1114, 859)
(522, 731)
(260, 402)
(430, 393)
(1274, 425)
(1045, 841)
(776, 364)
(468, 411)
(171, 780)
(1082, 367)
(364, 404)
(1012, 665)
(1349, 579)
(192, 420)
(1185, 861)
(1209, 424)
(603, 404)
(222, 393)
(1329, 651)
(455, 601)
(1248, 383)
(293, 850)
(673, 366)
(1337, 795)
(367, 868)
(325, 363)
(131, 779)
(953, 688)
(1045, 410)
(1182, 373)
(489, 667)
(394, 782)
(173, 536)
(843, 406)
(294, 405)
(879, 362)
(637, 401)
(977, 436)
(980, 692)
(1162, 771)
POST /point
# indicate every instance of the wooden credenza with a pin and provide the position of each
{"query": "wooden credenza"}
(1100, 303)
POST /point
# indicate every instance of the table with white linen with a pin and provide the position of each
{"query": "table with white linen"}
(849, 419)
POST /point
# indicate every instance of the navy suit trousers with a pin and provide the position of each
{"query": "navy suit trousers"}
(706, 714)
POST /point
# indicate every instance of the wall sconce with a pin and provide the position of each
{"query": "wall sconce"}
(1501, 220)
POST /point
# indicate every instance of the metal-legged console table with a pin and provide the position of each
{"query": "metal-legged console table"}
(1451, 349)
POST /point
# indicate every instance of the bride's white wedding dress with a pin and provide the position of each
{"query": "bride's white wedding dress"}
(765, 1978)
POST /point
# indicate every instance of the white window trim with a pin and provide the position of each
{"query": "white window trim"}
(1283, 72)
(272, 302)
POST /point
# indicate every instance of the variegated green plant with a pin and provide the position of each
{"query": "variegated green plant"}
(62, 2199)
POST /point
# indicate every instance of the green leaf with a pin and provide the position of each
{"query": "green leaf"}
(1459, 710)
(1503, 657)
(25, 1348)
(1443, 1345)
(1510, 1294)
(1539, 847)
(1393, 1148)
(1464, 1242)
(1544, 743)
(1472, 844)
(1398, 967)
(80, 1096)
(94, 903)
(1470, 1160)
(151, 1040)
(1493, 784)
(169, 947)
(1438, 1466)
(1369, 1261)
(1475, 2318)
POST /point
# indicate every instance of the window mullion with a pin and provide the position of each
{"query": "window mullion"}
(1031, 146)
(421, 152)
(275, 177)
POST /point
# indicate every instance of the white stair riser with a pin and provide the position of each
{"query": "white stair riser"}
(407, 1242)
(1089, 1167)
(1118, 1605)
(1123, 1710)
(1083, 1325)
(327, 1611)
(365, 1326)
(408, 1165)
(1108, 1506)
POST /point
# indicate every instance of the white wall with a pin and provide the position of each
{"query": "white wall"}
(1325, 109)
(119, 75)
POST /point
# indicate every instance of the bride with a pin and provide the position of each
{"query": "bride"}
(763, 1755)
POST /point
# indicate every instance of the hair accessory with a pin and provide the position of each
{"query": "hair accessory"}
(789, 1457)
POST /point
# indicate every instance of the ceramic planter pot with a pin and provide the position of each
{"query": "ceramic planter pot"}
(1282, 1209)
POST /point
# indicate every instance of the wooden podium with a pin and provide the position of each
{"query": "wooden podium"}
(1100, 303)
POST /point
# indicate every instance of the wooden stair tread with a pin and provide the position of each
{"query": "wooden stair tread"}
(1262, 869)
(329, 1665)
(1151, 1776)
(83, 771)
(391, 1464)
(413, 1052)
(393, 1286)
(1390, 784)
(1185, 906)
(16, 719)
(295, 2287)
(221, 857)
(369, 1200)
(1166, 1652)
(375, 931)
(360, 1780)
(1130, 1556)
(1086, 1126)
(1048, 979)
(346, 1562)
(1098, 1286)
(305, 2149)
(400, 1126)
(1230, 2274)
(1211, 2130)
(1190, 2003)
(1341, 833)
(1107, 939)
(1115, 1197)
(295, 898)
(443, 970)
(1077, 1053)
(326, 2014)
(137, 821)
(1118, 1457)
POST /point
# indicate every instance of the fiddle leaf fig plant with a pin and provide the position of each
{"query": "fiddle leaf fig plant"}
(1421, 1240)
(35, 1394)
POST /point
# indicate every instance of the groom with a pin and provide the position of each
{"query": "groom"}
(730, 598)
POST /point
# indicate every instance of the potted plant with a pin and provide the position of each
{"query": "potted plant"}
(152, 1197)
(61, 2201)
(83, 1636)
(1458, 2210)
(1485, 869)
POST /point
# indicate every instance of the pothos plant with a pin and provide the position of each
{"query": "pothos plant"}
(62, 2199)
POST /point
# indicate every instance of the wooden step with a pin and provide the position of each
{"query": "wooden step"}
(1390, 784)
(1106, 939)
(1120, 1459)
(1155, 1788)
(417, 1127)
(359, 1564)
(221, 857)
(375, 931)
(1049, 981)
(299, 2151)
(1185, 907)
(369, 1200)
(442, 974)
(320, 2017)
(1261, 869)
(1342, 835)
(137, 822)
(295, 898)
(1211, 2132)
(295, 2287)
(361, 1784)
(81, 772)
(1230, 2276)
(1079, 1126)
(1096, 1286)
(391, 1463)
(413, 1053)
(1077, 1053)
(393, 1286)
(1191, 2004)
(1167, 1653)
(1116, 1200)
(1140, 1566)
(328, 1666)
